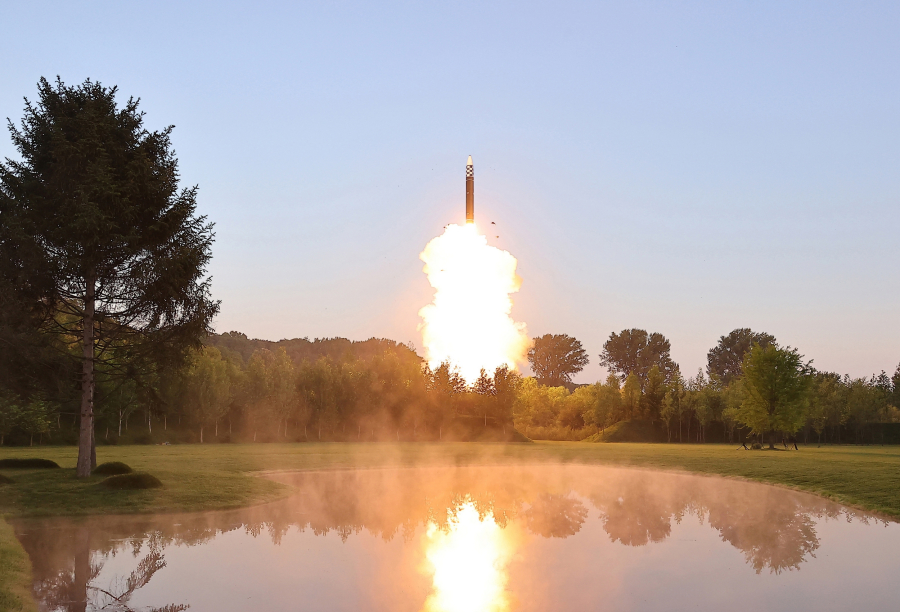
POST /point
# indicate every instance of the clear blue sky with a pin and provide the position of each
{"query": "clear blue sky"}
(686, 168)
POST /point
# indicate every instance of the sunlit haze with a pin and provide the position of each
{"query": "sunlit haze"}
(684, 168)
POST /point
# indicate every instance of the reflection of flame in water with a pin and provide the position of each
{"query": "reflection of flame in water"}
(469, 563)
(468, 323)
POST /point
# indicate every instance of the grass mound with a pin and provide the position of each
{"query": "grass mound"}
(5, 480)
(631, 431)
(518, 436)
(29, 463)
(112, 468)
(132, 481)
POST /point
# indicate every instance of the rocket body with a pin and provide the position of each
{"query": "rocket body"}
(470, 192)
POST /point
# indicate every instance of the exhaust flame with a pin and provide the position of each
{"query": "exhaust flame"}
(468, 322)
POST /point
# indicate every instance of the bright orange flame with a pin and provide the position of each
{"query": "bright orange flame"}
(469, 561)
(468, 323)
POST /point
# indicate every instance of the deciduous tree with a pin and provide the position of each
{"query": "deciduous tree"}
(724, 360)
(556, 358)
(776, 390)
(634, 351)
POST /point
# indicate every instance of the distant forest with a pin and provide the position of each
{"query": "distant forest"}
(239, 389)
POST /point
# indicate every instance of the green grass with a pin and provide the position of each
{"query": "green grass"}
(15, 574)
(132, 481)
(219, 476)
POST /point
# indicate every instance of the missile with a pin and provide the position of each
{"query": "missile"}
(470, 192)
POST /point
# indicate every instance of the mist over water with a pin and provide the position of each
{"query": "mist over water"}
(550, 537)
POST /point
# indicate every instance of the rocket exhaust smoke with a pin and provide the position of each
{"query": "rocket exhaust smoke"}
(468, 323)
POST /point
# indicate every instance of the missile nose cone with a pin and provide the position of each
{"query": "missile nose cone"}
(469, 163)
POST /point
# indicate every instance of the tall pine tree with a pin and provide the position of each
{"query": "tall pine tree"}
(98, 244)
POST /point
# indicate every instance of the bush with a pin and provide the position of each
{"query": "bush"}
(756, 446)
(112, 468)
(23, 464)
(5, 480)
(132, 481)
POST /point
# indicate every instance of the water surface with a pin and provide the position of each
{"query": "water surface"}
(479, 539)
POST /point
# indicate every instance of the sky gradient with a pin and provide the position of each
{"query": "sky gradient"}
(686, 168)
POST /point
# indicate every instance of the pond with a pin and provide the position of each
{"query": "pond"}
(479, 539)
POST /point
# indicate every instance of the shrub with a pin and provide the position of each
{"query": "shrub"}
(756, 446)
(112, 468)
(22, 464)
(5, 480)
(132, 481)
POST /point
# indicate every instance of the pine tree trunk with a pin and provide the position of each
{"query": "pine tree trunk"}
(85, 437)
(201, 434)
(217, 428)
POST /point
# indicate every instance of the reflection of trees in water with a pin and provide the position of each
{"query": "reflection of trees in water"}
(73, 586)
(555, 516)
(773, 528)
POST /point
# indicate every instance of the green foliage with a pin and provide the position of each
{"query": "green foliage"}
(34, 418)
(609, 402)
(98, 244)
(654, 394)
(112, 468)
(123, 482)
(556, 358)
(634, 351)
(631, 397)
(776, 390)
(207, 387)
(725, 359)
(673, 407)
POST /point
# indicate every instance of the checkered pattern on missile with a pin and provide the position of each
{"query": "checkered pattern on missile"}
(470, 172)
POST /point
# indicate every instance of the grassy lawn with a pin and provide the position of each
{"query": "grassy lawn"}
(204, 477)
(15, 574)
(220, 476)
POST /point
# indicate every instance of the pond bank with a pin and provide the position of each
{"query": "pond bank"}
(220, 476)
(15, 573)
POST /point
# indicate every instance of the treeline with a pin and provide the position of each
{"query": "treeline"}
(240, 389)
(751, 390)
